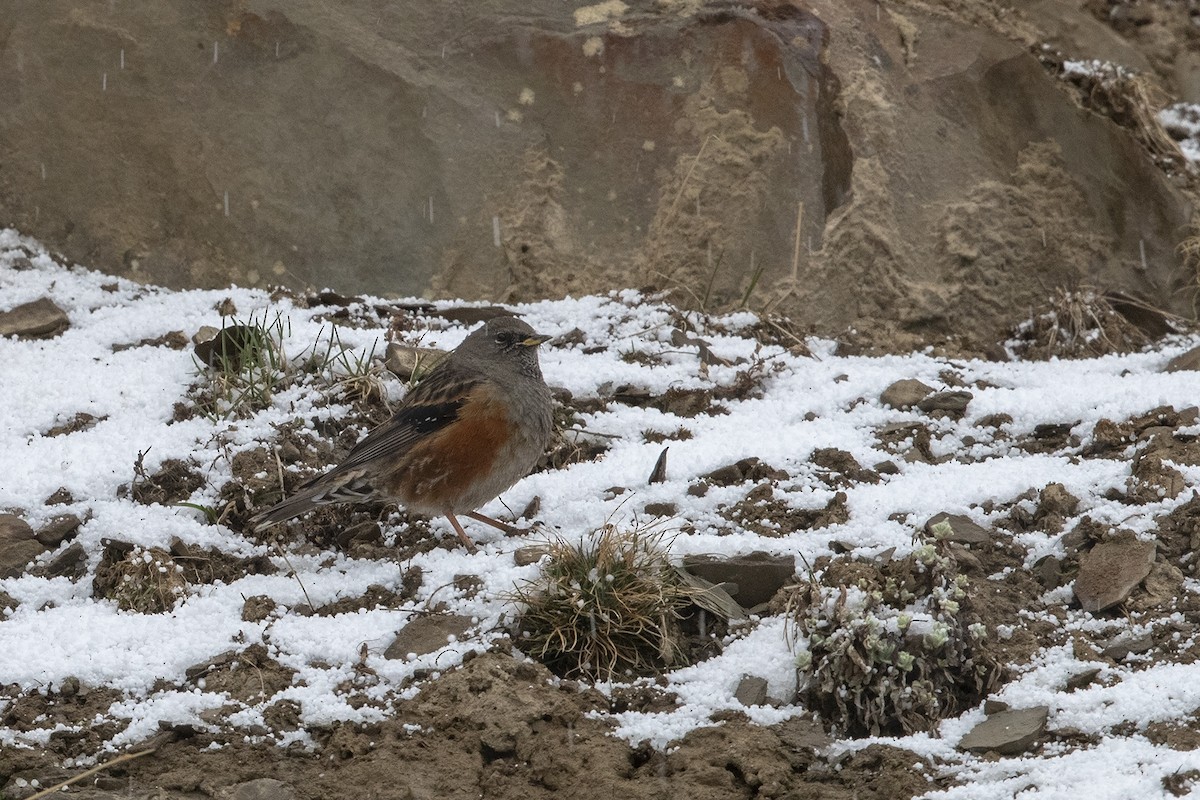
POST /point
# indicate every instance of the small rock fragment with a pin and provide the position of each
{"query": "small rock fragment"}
(37, 320)
(751, 691)
(717, 598)
(229, 348)
(844, 464)
(757, 575)
(801, 733)
(58, 530)
(69, 687)
(61, 497)
(1162, 586)
(1048, 571)
(197, 671)
(1111, 570)
(404, 361)
(530, 554)
(659, 473)
(1055, 504)
(1007, 732)
(748, 469)
(257, 608)
(532, 508)
(906, 393)
(425, 634)
(968, 562)
(259, 789)
(662, 509)
(17, 545)
(1107, 437)
(956, 528)
(363, 533)
(1081, 680)
(1185, 361)
(991, 706)
(70, 563)
(470, 315)
(953, 402)
(14, 529)
(1121, 646)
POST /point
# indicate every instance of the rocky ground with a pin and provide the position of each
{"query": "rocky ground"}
(918, 575)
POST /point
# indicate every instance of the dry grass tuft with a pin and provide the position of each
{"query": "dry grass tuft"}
(605, 609)
(1077, 323)
(146, 581)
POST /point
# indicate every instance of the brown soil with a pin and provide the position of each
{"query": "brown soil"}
(496, 728)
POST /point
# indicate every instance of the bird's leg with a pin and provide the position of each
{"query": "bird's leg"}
(511, 530)
(461, 533)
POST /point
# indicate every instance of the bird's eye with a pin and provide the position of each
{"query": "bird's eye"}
(502, 338)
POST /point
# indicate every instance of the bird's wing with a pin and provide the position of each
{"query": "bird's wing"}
(433, 404)
(429, 407)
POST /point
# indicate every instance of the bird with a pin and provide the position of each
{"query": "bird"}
(472, 427)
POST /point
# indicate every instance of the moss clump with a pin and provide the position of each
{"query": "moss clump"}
(892, 648)
(606, 608)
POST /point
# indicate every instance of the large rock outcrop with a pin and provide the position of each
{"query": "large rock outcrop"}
(911, 168)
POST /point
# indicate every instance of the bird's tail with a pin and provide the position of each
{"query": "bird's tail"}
(332, 487)
(294, 506)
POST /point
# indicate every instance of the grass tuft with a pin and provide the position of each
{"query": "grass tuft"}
(245, 364)
(605, 609)
(1077, 323)
(147, 581)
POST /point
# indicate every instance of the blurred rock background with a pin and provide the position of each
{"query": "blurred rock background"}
(917, 170)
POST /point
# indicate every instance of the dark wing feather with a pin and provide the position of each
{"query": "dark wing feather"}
(433, 404)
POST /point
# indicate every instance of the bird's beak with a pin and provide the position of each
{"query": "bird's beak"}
(536, 339)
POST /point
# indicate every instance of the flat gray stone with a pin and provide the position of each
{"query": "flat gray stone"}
(70, 563)
(1185, 361)
(17, 545)
(1081, 680)
(259, 789)
(15, 557)
(751, 691)
(962, 529)
(58, 530)
(758, 575)
(800, 733)
(1007, 732)
(36, 320)
(953, 401)
(404, 360)
(1111, 570)
(529, 554)
(426, 634)
(1048, 571)
(905, 393)
(1120, 646)
(14, 529)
